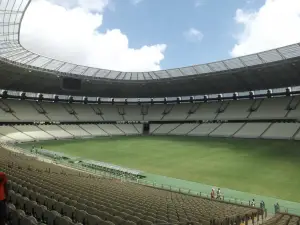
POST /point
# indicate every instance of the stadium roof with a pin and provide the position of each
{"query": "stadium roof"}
(24, 70)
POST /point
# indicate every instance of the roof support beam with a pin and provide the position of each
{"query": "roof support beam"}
(94, 74)
(107, 74)
(47, 63)
(32, 60)
(20, 60)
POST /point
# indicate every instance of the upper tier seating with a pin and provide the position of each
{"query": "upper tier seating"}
(295, 106)
(85, 112)
(154, 112)
(57, 112)
(257, 109)
(24, 110)
(110, 113)
(178, 112)
(272, 108)
(206, 111)
(132, 112)
(6, 113)
(236, 110)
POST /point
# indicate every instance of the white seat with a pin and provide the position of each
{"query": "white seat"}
(206, 111)
(129, 129)
(34, 132)
(166, 128)
(25, 111)
(184, 129)
(10, 133)
(236, 110)
(178, 112)
(204, 129)
(155, 112)
(132, 112)
(252, 130)
(85, 112)
(57, 112)
(272, 108)
(226, 130)
(55, 131)
(110, 113)
(93, 129)
(75, 130)
(281, 131)
(111, 129)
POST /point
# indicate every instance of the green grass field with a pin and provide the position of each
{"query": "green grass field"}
(264, 167)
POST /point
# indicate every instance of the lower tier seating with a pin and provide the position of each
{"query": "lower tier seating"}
(28, 133)
(280, 219)
(265, 130)
(238, 130)
(41, 192)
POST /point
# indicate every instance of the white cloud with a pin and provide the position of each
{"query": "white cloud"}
(193, 35)
(199, 3)
(135, 2)
(72, 34)
(274, 25)
(89, 5)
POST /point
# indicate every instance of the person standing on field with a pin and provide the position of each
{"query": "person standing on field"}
(219, 194)
(3, 198)
(212, 194)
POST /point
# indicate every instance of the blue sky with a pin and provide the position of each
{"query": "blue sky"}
(164, 21)
(145, 35)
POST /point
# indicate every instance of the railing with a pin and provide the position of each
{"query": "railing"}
(286, 210)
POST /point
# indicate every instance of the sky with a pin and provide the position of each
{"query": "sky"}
(145, 35)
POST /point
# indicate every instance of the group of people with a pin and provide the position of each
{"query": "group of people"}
(215, 194)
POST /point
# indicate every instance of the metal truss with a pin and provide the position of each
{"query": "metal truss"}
(11, 16)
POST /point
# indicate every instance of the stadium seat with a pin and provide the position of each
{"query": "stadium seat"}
(106, 201)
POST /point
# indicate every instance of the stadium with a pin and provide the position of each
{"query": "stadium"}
(83, 145)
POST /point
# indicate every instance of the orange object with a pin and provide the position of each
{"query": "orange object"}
(3, 181)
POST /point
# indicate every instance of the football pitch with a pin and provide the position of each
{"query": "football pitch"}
(264, 167)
